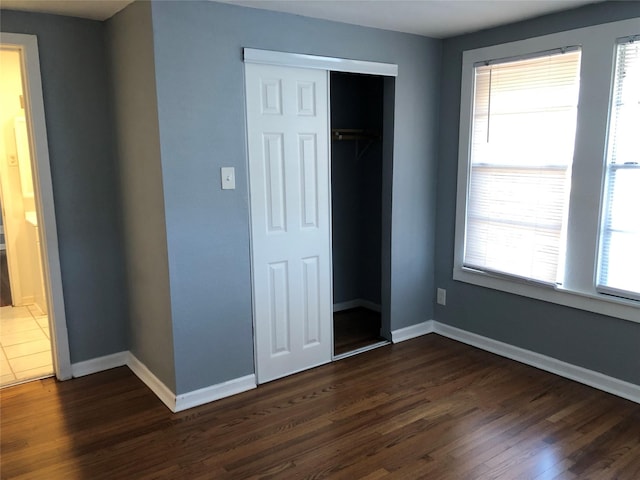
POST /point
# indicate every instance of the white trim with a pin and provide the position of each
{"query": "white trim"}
(597, 303)
(594, 379)
(358, 302)
(299, 60)
(358, 351)
(175, 403)
(163, 392)
(100, 364)
(34, 110)
(214, 392)
(598, 43)
(195, 398)
(28, 300)
(413, 331)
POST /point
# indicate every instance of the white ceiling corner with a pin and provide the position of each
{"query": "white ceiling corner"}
(91, 9)
(432, 18)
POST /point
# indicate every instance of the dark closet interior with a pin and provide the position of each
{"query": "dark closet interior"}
(356, 200)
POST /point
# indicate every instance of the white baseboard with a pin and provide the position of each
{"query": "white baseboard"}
(358, 302)
(174, 403)
(215, 392)
(95, 365)
(413, 331)
(28, 300)
(201, 396)
(156, 385)
(594, 379)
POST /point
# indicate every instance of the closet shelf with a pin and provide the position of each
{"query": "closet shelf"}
(354, 134)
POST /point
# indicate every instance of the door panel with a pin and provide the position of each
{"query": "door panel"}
(309, 180)
(287, 120)
(274, 169)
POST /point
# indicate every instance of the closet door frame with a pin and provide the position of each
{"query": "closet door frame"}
(327, 64)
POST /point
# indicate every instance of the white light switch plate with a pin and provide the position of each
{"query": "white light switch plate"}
(228, 175)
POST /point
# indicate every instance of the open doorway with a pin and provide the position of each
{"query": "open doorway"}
(357, 199)
(25, 338)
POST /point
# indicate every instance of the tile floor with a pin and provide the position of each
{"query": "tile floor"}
(25, 348)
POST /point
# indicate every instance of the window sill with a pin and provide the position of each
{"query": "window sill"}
(591, 302)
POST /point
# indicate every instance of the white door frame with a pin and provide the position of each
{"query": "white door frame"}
(27, 45)
(328, 64)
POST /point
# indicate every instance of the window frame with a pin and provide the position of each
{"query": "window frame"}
(598, 44)
(609, 168)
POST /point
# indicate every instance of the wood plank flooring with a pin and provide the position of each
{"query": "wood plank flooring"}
(355, 328)
(427, 408)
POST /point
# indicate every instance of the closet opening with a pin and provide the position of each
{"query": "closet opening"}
(361, 166)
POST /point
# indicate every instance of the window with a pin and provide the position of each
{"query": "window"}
(619, 272)
(523, 132)
(548, 196)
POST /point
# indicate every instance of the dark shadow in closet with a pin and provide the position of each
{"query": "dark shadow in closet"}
(354, 329)
(357, 121)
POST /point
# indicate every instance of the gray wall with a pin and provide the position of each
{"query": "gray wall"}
(196, 59)
(200, 87)
(79, 123)
(130, 41)
(356, 188)
(600, 343)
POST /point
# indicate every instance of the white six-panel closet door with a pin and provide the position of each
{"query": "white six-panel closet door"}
(287, 115)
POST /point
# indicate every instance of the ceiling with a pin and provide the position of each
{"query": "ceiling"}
(433, 18)
(93, 9)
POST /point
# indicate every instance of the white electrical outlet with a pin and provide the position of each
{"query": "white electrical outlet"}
(442, 296)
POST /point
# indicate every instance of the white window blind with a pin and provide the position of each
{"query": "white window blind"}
(619, 261)
(523, 133)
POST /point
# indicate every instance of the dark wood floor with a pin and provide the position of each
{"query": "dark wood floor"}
(355, 328)
(427, 408)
